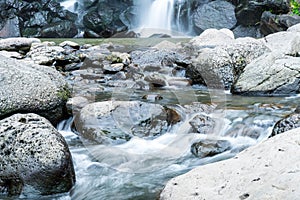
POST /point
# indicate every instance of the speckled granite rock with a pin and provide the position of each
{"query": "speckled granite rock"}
(34, 157)
(27, 87)
(269, 170)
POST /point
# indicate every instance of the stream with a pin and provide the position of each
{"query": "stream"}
(140, 168)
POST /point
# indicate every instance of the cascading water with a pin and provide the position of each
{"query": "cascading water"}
(160, 15)
(165, 16)
(69, 5)
(139, 168)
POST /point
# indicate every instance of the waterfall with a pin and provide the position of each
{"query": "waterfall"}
(69, 5)
(160, 15)
(165, 16)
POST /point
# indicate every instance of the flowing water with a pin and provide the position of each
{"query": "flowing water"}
(140, 168)
(69, 5)
(171, 17)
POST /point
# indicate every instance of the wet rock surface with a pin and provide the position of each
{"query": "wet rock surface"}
(35, 158)
(114, 122)
(209, 147)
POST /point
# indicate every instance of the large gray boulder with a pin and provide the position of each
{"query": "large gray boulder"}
(112, 122)
(34, 157)
(269, 170)
(269, 76)
(221, 58)
(216, 14)
(27, 87)
(276, 72)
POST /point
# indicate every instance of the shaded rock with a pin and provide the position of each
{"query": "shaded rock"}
(27, 87)
(36, 18)
(114, 122)
(269, 76)
(268, 170)
(10, 28)
(216, 14)
(17, 44)
(61, 29)
(104, 18)
(44, 163)
(159, 35)
(286, 124)
(249, 12)
(271, 23)
(208, 148)
(130, 16)
(126, 34)
(247, 31)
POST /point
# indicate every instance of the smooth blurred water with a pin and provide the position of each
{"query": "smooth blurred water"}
(140, 168)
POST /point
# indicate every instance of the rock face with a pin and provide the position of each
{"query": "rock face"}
(36, 19)
(35, 158)
(249, 12)
(103, 19)
(27, 87)
(216, 14)
(266, 171)
(272, 23)
(129, 119)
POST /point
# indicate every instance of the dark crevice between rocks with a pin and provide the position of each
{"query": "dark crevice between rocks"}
(44, 113)
(11, 185)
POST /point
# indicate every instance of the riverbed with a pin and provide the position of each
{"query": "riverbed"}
(140, 168)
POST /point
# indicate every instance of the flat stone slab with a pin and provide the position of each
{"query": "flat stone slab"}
(269, 170)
